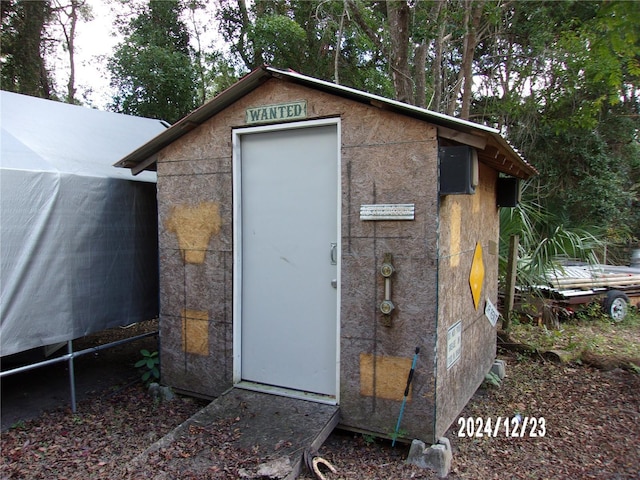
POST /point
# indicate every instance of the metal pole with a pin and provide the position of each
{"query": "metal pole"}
(65, 358)
(69, 357)
(72, 377)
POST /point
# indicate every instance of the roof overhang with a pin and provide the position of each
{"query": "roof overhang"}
(492, 148)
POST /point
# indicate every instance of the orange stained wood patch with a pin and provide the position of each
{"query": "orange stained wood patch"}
(455, 234)
(194, 225)
(195, 331)
(384, 376)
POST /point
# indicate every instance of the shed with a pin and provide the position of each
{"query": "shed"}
(312, 236)
(78, 237)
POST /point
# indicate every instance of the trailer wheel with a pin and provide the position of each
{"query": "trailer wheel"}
(616, 305)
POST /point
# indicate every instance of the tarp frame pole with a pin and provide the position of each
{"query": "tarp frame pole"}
(72, 376)
(69, 357)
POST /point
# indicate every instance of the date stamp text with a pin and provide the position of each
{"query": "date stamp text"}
(510, 427)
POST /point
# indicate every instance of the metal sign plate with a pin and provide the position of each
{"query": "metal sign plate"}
(388, 211)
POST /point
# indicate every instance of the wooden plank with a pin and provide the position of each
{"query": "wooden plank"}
(271, 427)
(461, 137)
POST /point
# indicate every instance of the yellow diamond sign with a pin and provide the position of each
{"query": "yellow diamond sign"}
(476, 277)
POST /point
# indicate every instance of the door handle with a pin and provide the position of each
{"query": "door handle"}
(333, 254)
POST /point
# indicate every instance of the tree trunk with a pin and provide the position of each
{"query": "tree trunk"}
(70, 40)
(420, 62)
(437, 69)
(472, 22)
(251, 63)
(336, 58)
(30, 76)
(398, 15)
(199, 55)
(370, 33)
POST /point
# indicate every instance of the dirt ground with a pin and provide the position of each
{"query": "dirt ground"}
(591, 428)
(26, 395)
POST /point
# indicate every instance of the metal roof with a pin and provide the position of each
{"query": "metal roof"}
(492, 148)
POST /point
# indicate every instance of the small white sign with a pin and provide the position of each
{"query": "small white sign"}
(491, 312)
(454, 344)
(388, 211)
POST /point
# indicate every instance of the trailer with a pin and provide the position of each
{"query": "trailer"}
(615, 287)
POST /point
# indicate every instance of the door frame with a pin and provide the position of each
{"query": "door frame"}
(237, 134)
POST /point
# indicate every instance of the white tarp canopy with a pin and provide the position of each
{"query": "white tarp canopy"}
(78, 236)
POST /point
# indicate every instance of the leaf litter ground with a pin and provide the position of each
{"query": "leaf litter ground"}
(592, 420)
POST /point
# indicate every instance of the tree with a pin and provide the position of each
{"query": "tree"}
(567, 97)
(316, 38)
(32, 31)
(152, 67)
(23, 47)
(559, 78)
(398, 14)
(67, 16)
(214, 71)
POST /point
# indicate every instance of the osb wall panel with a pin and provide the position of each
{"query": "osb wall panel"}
(388, 158)
(385, 158)
(195, 242)
(466, 220)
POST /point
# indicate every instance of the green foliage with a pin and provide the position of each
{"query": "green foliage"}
(401, 433)
(152, 69)
(560, 78)
(221, 74)
(544, 240)
(19, 425)
(278, 39)
(22, 47)
(591, 311)
(368, 438)
(589, 335)
(592, 176)
(567, 96)
(148, 365)
(306, 37)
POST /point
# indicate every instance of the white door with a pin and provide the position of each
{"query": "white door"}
(288, 256)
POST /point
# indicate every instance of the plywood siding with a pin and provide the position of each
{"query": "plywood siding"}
(388, 159)
(195, 242)
(465, 221)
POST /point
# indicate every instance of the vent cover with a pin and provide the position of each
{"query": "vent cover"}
(458, 170)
